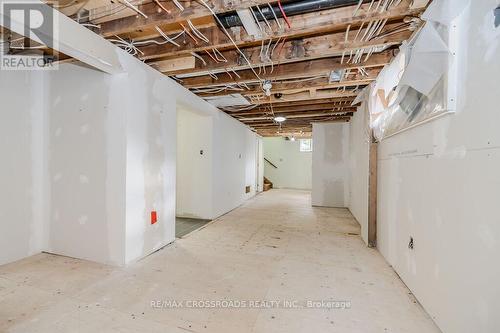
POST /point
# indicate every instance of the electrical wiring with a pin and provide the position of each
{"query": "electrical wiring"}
(284, 15)
(162, 7)
(357, 7)
(237, 75)
(153, 41)
(230, 37)
(359, 31)
(256, 20)
(129, 47)
(194, 54)
(229, 74)
(211, 56)
(134, 8)
(111, 13)
(217, 53)
(189, 34)
(197, 33)
(275, 17)
(178, 4)
(213, 75)
(265, 20)
(371, 5)
(347, 33)
(168, 39)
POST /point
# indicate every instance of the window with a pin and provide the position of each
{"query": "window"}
(306, 145)
(419, 85)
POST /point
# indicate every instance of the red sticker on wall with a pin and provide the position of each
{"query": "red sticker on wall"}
(154, 217)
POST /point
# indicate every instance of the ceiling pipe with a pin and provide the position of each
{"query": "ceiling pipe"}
(290, 8)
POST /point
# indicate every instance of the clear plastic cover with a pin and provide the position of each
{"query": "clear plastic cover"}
(414, 86)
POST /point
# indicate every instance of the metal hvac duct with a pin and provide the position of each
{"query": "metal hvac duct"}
(290, 8)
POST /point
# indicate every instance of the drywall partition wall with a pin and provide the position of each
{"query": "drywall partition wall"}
(293, 166)
(235, 167)
(330, 165)
(439, 184)
(233, 152)
(23, 166)
(151, 154)
(87, 164)
(359, 153)
(111, 162)
(194, 164)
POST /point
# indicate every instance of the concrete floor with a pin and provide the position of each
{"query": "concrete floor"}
(184, 226)
(275, 247)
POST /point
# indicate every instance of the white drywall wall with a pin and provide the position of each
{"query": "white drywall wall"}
(359, 157)
(234, 163)
(330, 165)
(294, 167)
(87, 156)
(23, 165)
(111, 162)
(440, 184)
(151, 153)
(194, 170)
(95, 154)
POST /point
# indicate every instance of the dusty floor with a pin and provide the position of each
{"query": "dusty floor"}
(274, 248)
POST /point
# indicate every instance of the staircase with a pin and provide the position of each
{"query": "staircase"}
(267, 184)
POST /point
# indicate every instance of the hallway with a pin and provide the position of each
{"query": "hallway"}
(273, 248)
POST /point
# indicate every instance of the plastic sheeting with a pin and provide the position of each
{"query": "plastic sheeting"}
(414, 87)
(429, 58)
(444, 11)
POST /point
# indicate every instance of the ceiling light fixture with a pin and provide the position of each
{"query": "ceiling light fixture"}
(279, 119)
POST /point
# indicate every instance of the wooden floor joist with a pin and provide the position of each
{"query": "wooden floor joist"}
(308, 69)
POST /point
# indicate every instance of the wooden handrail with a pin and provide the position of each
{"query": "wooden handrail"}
(265, 159)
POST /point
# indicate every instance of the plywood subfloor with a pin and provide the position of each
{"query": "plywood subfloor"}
(184, 226)
(273, 248)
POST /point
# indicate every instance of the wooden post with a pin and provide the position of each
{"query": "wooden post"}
(372, 196)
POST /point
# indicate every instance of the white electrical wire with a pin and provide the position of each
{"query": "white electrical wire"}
(194, 54)
(256, 20)
(231, 38)
(178, 4)
(198, 33)
(265, 20)
(357, 7)
(153, 41)
(134, 8)
(274, 14)
(168, 39)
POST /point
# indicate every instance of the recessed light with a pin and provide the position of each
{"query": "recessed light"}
(279, 119)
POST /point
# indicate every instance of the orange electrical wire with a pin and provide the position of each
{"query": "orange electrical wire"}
(162, 7)
(284, 15)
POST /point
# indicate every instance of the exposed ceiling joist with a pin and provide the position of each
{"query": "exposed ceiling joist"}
(155, 16)
(328, 21)
(304, 69)
(270, 54)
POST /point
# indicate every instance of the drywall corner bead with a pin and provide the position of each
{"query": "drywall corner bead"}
(445, 11)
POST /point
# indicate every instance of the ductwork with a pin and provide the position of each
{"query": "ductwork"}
(290, 8)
